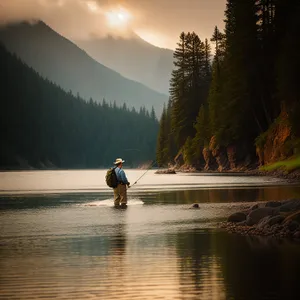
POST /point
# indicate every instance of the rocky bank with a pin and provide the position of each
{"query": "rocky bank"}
(277, 219)
(278, 143)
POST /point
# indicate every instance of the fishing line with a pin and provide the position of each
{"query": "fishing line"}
(151, 165)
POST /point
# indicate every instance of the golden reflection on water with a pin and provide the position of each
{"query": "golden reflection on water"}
(138, 268)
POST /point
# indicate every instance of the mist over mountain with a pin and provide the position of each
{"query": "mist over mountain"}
(64, 63)
(134, 58)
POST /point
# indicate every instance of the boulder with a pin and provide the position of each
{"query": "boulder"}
(263, 222)
(273, 204)
(243, 223)
(296, 235)
(269, 221)
(292, 225)
(290, 205)
(256, 215)
(275, 220)
(255, 206)
(293, 217)
(237, 217)
(195, 205)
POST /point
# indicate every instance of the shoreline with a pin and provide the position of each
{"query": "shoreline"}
(292, 177)
(280, 219)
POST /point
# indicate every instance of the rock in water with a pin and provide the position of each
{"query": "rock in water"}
(195, 205)
(237, 217)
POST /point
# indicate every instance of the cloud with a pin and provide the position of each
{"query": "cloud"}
(73, 18)
(81, 19)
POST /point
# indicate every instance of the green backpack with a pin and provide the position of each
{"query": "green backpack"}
(111, 178)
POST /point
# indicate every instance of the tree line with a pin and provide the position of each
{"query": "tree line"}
(233, 98)
(43, 126)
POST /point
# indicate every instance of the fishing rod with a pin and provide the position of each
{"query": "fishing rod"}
(151, 165)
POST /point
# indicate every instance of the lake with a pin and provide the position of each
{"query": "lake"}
(61, 237)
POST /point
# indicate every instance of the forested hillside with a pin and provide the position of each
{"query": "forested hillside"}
(65, 64)
(42, 126)
(244, 108)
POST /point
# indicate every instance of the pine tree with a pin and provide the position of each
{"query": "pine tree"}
(161, 147)
(239, 89)
(188, 151)
(219, 39)
(268, 106)
(287, 24)
(189, 85)
(179, 92)
(152, 114)
(171, 149)
(215, 98)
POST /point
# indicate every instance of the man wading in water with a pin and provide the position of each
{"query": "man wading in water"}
(120, 192)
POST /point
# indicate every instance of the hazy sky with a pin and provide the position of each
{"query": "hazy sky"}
(158, 21)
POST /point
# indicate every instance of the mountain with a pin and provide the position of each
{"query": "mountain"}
(43, 126)
(62, 62)
(134, 58)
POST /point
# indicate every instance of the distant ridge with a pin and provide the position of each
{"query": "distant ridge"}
(42, 126)
(62, 62)
(134, 58)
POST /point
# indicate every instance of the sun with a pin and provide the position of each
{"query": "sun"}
(92, 6)
(118, 17)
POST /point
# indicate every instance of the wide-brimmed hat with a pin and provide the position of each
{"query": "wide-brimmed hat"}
(118, 161)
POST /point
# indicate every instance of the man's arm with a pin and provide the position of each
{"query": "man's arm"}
(123, 177)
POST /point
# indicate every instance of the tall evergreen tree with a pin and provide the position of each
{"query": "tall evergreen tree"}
(161, 148)
(189, 85)
(287, 24)
(171, 145)
(179, 92)
(215, 97)
(239, 90)
(219, 39)
(152, 114)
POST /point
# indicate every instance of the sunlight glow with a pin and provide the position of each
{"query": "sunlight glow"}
(92, 6)
(118, 17)
(155, 38)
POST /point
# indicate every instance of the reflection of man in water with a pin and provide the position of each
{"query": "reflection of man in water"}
(118, 240)
(116, 265)
(120, 192)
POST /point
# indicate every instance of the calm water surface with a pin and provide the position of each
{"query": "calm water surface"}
(60, 237)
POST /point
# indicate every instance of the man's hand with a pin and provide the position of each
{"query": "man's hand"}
(128, 184)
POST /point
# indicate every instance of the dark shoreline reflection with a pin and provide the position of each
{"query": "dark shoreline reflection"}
(226, 195)
(227, 266)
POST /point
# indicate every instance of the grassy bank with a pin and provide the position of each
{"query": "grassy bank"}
(287, 166)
